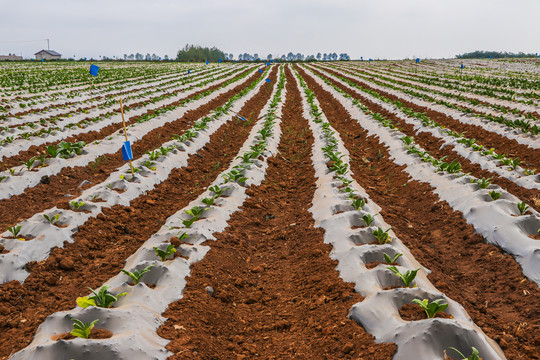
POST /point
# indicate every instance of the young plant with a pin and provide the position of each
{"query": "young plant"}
(495, 195)
(164, 254)
(358, 203)
(381, 235)
(522, 207)
(51, 219)
(407, 277)
(30, 163)
(431, 308)
(81, 329)
(475, 355)
(103, 298)
(209, 200)
(530, 172)
(368, 219)
(77, 204)
(235, 175)
(15, 230)
(390, 260)
(218, 191)
(136, 275)
(483, 183)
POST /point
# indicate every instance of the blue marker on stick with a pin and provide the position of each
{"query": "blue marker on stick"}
(268, 80)
(127, 154)
(94, 70)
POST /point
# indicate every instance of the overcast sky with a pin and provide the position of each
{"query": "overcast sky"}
(369, 28)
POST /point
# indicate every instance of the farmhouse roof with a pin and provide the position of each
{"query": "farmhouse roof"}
(50, 52)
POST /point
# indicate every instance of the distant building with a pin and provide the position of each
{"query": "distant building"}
(10, 57)
(47, 55)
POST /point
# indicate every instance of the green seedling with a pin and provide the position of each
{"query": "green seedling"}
(218, 191)
(11, 171)
(81, 329)
(358, 203)
(103, 298)
(43, 160)
(407, 277)
(77, 204)
(483, 183)
(2, 178)
(235, 175)
(208, 201)
(51, 219)
(164, 254)
(136, 275)
(15, 230)
(153, 155)
(407, 140)
(431, 308)
(522, 207)
(495, 195)
(475, 355)
(368, 219)
(530, 172)
(381, 235)
(30, 163)
(390, 260)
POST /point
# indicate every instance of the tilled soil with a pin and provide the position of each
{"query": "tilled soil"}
(102, 244)
(487, 282)
(69, 180)
(277, 294)
(433, 145)
(501, 144)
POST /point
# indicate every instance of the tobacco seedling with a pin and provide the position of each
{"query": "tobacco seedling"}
(358, 203)
(522, 207)
(431, 308)
(51, 219)
(381, 235)
(77, 204)
(103, 298)
(30, 163)
(483, 183)
(235, 175)
(475, 355)
(209, 201)
(368, 219)
(15, 230)
(153, 155)
(81, 329)
(136, 275)
(495, 195)
(390, 260)
(164, 254)
(530, 172)
(218, 191)
(407, 277)
(2, 178)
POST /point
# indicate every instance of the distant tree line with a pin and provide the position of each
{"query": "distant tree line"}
(199, 53)
(478, 54)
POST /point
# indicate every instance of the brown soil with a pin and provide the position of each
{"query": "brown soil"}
(91, 136)
(94, 334)
(502, 145)
(54, 192)
(433, 145)
(276, 293)
(102, 244)
(413, 312)
(463, 266)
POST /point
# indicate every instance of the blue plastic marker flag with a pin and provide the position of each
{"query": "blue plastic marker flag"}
(260, 70)
(206, 62)
(42, 60)
(127, 154)
(84, 59)
(219, 61)
(241, 118)
(490, 56)
(417, 60)
(94, 70)
(268, 80)
(462, 66)
(189, 70)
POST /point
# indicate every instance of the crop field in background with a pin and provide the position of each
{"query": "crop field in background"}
(323, 210)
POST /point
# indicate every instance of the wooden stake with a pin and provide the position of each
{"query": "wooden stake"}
(125, 134)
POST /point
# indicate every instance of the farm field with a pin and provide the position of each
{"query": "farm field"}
(321, 210)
